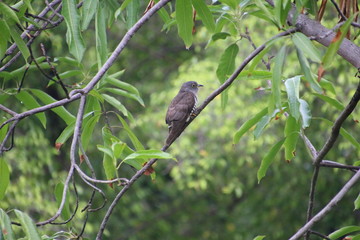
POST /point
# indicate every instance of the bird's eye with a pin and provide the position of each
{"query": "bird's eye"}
(193, 85)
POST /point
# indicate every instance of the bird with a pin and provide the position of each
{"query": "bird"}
(180, 109)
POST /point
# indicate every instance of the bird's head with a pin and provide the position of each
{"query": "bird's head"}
(191, 86)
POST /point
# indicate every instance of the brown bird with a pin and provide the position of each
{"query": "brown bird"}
(180, 110)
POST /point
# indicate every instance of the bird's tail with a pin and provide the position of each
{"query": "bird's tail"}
(175, 131)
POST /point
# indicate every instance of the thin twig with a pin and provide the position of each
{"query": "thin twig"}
(354, 24)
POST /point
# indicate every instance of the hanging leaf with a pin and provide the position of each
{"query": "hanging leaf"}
(73, 34)
(28, 225)
(343, 231)
(292, 88)
(227, 62)
(30, 102)
(249, 124)
(305, 113)
(304, 44)
(268, 159)
(291, 132)
(277, 75)
(184, 21)
(204, 13)
(335, 43)
(5, 226)
(4, 177)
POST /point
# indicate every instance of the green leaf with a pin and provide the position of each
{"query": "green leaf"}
(291, 132)
(101, 38)
(259, 238)
(88, 11)
(307, 71)
(255, 75)
(8, 13)
(151, 153)
(65, 134)
(60, 111)
(132, 13)
(58, 192)
(135, 141)
(117, 149)
(268, 159)
(5, 37)
(120, 84)
(3, 132)
(29, 101)
(109, 166)
(292, 88)
(231, 3)
(220, 35)
(357, 203)
(184, 21)
(125, 94)
(276, 80)
(305, 113)
(204, 13)
(332, 101)
(336, 42)
(73, 34)
(249, 124)
(327, 85)
(304, 44)
(227, 62)
(4, 177)
(15, 34)
(28, 225)
(88, 129)
(261, 126)
(343, 132)
(70, 73)
(115, 103)
(5, 225)
(343, 231)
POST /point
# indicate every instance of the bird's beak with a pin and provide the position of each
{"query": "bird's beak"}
(200, 85)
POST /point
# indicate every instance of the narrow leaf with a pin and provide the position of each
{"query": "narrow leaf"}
(184, 21)
(88, 11)
(305, 113)
(332, 101)
(65, 134)
(73, 34)
(115, 103)
(101, 38)
(336, 42)
(5, 37)
(357, 203)
(135, 141)
(292, 88)
(304, 44)
(227, 62)
(249, 124)
(5, 225)
(261, 126)
(120, 84)
(4, 177)
(259, 238)
(28, 225)
(29, 101)
(58, 192)
(60, 111)
(150, 154)
(291, 132)
(132, 13)
(307, 71)
(343, 231)
(20, 43)
(125, 94)
(276, 80)
(268, 159)
(204, 13)
(8, 13)
(88, 129)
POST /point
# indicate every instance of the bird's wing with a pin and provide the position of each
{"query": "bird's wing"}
(180, 107)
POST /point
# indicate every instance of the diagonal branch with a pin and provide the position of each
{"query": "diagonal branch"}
(211, 97)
